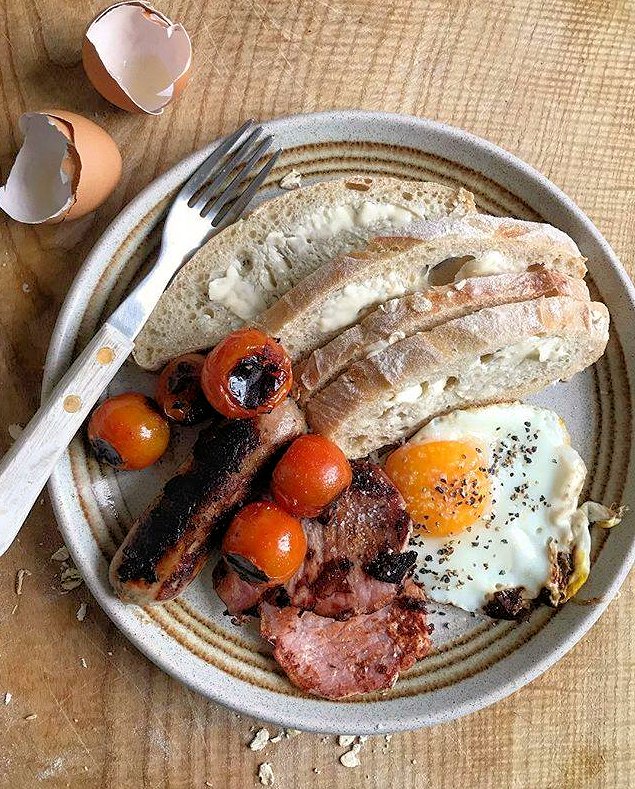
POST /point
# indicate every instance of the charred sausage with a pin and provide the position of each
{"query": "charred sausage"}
(170, 542)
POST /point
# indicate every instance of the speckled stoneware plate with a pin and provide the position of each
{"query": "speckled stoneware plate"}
(476, 661)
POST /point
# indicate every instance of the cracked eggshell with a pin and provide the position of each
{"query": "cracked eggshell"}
(136, 57)
(67, 166)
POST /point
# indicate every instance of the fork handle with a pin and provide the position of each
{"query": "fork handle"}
(28, 464)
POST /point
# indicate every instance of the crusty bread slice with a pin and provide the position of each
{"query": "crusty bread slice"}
(500, 353)
(343, 290)
(543, 243)
(244, 269)
(400, 318)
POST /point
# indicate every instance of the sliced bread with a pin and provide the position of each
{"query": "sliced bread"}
(344, 290)
(400, 318)
(500, 353)
(244, 269)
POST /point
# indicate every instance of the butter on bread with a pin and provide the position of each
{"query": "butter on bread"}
(244, 269)
(497, 354)
(343, 291)
(400, 318)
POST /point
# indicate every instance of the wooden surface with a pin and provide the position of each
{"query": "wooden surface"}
(552, 82)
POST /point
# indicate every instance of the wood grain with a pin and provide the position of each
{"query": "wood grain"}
(552, 82)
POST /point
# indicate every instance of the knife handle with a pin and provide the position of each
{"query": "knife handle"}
(28, 464)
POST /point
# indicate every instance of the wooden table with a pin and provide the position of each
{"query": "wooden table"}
(552, 82)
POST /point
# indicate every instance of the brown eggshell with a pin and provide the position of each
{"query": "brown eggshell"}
(99, 161)
(107, 85)
(103, 82)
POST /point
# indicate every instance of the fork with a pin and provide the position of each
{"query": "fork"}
(212, 198)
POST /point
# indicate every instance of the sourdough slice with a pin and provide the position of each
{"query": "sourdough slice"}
(544, 243)
(244, 269)
(342, 291)
(500, 353)
(400, 318)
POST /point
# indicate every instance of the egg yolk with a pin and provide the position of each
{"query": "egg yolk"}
(445, 484)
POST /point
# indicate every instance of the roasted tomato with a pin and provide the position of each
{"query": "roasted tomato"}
(310, 474)
(247, 373)
(179, 391)
(128, 432)
(265, 544)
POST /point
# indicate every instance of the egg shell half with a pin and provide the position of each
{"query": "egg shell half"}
(110, 34)
(99, 161)
(65, 168)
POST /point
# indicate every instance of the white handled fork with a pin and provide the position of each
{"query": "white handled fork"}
(210, 200)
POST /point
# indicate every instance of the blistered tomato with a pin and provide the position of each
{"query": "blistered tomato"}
(128, 432)
(310, 474)
(247, 373)
(264, 543)
(179, 392)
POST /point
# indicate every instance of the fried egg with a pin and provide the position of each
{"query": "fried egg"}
(493, 492)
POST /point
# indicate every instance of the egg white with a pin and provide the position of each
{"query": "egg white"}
(536, 478)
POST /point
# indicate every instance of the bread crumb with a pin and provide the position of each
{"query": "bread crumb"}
(70, 579)
(15, 430)
(265, 774)
(413, 761)
(31, 717)
(26, 287)
(362, 738)
(292, 180)
(316, 771)
(83, 662)
(261, 738)
(7, 698)
(388, 738)
(351, 758)
(61, 554)
(460, 284)
(289, 733)
(81, 612)
(344, 740)
(279, 736)
(19, 580)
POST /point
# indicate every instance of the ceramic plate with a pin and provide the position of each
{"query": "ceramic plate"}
(476, 661)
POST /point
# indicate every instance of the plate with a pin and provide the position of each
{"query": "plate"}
(476, 660)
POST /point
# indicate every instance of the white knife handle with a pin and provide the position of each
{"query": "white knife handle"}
(28, 464)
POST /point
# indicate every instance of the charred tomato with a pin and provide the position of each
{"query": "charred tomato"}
(264, 544)
(247, 373)
(128, 432)
(179, 391)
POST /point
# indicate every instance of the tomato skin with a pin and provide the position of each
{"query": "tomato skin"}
(246, 374)
(311, 473)
(264, 544)
(179, 392)
(128, 432)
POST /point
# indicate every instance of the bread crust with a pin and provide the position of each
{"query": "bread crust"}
(185, 319)
(355, 404)
(423, 311)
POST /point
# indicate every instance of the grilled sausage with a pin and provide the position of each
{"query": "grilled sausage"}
(170, 542)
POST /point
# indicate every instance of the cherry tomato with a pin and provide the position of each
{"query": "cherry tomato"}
(310, 474)
(247, 373)
(128, 432)
(265, 544)
(179, 391)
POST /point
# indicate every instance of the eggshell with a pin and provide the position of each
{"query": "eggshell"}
(66, 167)
(136, 57)
(99, 161)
